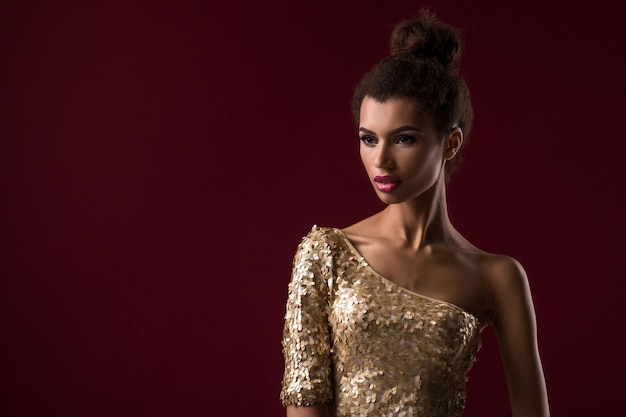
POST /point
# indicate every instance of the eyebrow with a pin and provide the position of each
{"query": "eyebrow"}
(394, 131)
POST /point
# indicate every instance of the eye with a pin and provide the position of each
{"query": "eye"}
(405, 140)
(369, 140)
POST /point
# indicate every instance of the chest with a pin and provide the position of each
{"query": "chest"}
(451, 277)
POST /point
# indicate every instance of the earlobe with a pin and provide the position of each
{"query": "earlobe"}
(453, 143)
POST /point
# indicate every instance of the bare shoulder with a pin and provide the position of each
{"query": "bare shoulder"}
(363, 228)
(504, 274)
(502, 270)
(365, 232)
(507, 282)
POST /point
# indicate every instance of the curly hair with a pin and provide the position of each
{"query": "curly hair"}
(422, 66)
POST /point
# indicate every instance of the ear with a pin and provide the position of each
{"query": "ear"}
(452, 143)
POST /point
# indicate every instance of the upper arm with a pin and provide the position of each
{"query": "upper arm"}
(306, 334)
(318, 410)
(515, 327)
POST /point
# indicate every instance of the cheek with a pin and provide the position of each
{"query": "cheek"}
(432, 156)
(365, 157)
(421, 163)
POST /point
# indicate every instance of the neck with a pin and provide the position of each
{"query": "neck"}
(422, 221)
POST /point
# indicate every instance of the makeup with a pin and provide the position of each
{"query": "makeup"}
(386, 183)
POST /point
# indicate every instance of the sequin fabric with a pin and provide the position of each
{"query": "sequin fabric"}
(366, 346)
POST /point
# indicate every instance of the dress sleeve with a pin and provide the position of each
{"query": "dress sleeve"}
(306, 335)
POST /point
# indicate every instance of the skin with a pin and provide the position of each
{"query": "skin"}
(413, 243)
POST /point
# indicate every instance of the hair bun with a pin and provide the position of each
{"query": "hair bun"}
(426, 38)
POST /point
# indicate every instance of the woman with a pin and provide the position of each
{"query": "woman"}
(384, 317)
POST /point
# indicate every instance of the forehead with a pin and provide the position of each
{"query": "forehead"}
(391, 113)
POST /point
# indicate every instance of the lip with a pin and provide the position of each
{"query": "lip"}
(386, 183)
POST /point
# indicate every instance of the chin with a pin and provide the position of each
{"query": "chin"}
(390, 198)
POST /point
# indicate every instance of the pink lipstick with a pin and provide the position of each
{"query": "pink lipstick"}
(386, 183)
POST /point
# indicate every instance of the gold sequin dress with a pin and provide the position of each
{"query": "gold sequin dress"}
(366, 346)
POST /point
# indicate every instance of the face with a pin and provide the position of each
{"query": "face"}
(402, 151)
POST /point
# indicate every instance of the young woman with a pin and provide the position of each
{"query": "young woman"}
(384, 317)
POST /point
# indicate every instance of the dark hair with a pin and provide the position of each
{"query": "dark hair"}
(422, 66)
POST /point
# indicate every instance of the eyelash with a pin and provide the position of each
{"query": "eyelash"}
(400, 140)
(368, 140)
(409, 139)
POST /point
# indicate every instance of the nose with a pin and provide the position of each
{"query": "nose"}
(384, 157)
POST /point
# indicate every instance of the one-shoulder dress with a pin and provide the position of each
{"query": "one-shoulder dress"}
(365, 346)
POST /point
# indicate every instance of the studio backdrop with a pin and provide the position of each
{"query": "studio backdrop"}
(161, 160)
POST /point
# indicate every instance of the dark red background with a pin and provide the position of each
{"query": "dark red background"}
(161, 160)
